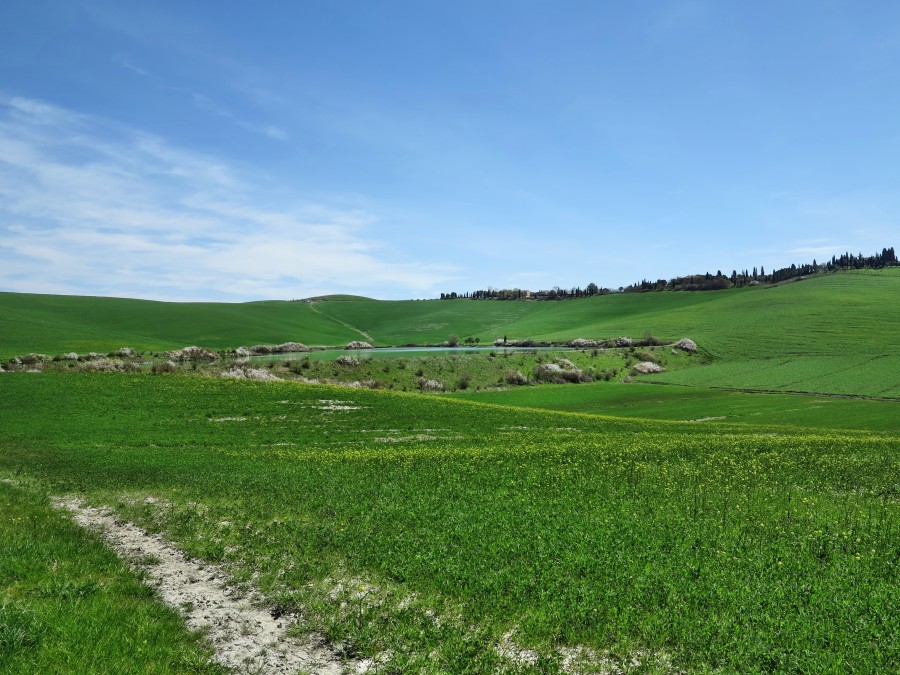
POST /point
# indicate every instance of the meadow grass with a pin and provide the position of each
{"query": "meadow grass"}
(55, 324)
(462, 371)
(68, 605)
(833, 333)
(876, 376)
(714, 407)
(430, 531)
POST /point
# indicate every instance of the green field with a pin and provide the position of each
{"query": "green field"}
(736, 513)
(69, 606)
(55, 324)
(876, 376)
(828, 334)
(449, 528)
(701, 405)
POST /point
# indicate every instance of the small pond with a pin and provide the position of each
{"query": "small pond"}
(397, 352)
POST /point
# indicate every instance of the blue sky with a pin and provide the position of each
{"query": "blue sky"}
(240, 151)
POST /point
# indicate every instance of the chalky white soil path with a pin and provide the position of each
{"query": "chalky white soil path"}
(245, 638)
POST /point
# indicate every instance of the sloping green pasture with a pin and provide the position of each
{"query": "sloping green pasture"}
(54, 324)
(701, 405)
(876, 376)
(833, 333)
(437, 533)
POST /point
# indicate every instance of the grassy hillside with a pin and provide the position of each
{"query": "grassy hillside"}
(54, 324)
(701, 405)
(447, 536)
(833, 333)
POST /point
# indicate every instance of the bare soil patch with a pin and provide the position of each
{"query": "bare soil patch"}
(244, 637)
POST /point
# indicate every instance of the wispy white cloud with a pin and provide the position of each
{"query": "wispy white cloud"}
(90, 208)
(809, 250)
(123, 61)
(206, 103)
(833, 223)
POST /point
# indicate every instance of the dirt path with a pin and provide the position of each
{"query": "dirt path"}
(342, 323)
(244, 637)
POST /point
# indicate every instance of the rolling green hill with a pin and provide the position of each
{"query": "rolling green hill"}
(698, 405)
(833, 333)
(564, 521)
(54, 324)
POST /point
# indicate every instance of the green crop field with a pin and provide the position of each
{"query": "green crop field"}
(828, 334)
(700, 405)
(69, 606)
(876, 376)
(737, 512)
(447, 536)
(55, 324)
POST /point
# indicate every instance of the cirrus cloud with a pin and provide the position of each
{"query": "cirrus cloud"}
(90, 207)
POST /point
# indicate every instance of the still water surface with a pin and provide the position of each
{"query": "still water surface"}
(397, 352)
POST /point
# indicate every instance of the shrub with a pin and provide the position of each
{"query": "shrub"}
(650, 341)
(164, 367)
(290, 348)
(516, 378)
(687, 345)
(552, 372)
(107, 365)
(357, 344)
(192, 353)
(33, 359)
(239, 372)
